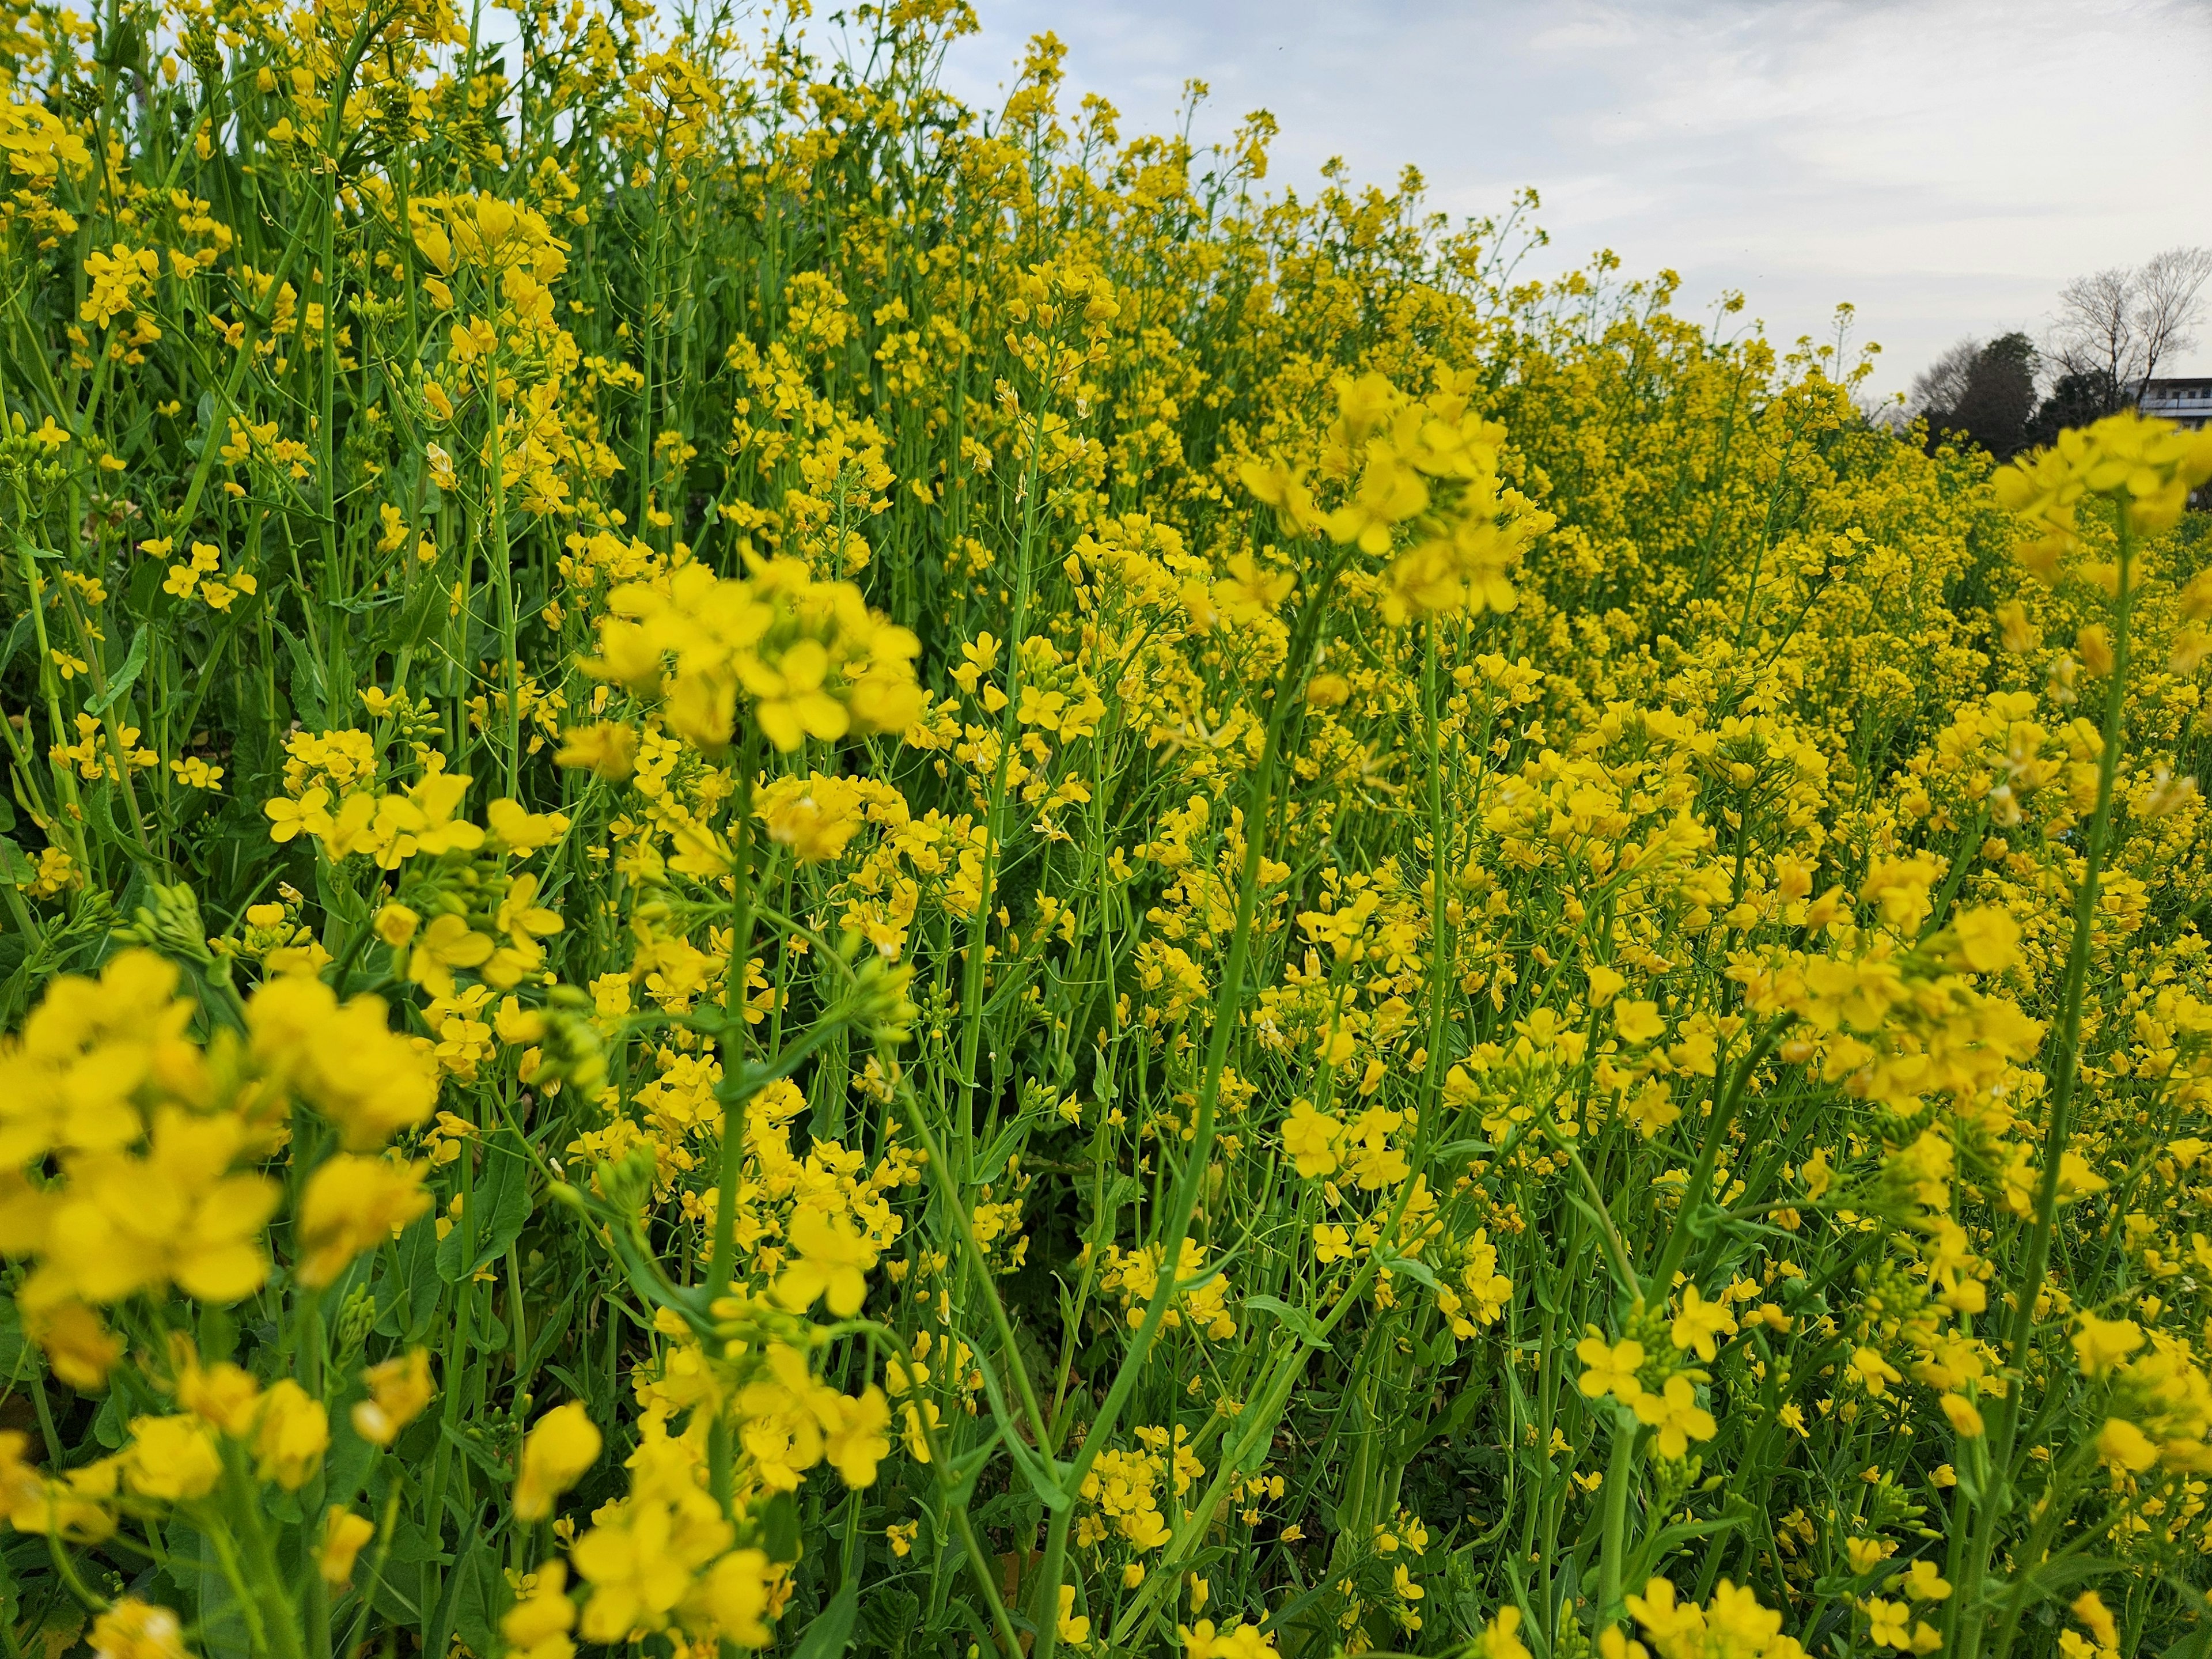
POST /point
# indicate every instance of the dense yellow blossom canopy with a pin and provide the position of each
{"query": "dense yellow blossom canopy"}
(789, 868)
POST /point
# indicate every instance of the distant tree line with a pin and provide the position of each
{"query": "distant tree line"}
(2114, 330)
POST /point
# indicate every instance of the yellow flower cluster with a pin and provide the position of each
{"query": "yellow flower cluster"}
(1427, 466)
(810, 658)
(1126, 1491)
(2148, 467)
(156, 1143)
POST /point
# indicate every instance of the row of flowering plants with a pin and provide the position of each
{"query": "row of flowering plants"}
(787, 868)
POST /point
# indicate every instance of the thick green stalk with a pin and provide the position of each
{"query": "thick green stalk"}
(1969, 1628)
(972, 1257)
(510, 666)
(1228, 1009)
(73, 813)
(1619, 1475)
(1662, 1276)
(449, 1409)
(972, 977)
(734, 1040)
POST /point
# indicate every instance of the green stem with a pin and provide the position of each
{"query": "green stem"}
(1619, 1475)
(735, 984)
(2058, 1127)
(1183, 1203)
(1662, 1276)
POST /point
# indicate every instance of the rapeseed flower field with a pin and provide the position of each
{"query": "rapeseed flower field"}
(788, 871)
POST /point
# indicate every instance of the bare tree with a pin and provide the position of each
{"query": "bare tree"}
(1942, 384)
(2096, 333)
(2116, 327)
(2169, 301)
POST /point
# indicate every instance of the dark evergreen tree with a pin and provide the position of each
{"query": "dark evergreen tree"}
(1982, 394)
(2076, 398)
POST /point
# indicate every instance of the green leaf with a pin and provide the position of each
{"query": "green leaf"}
(888, 1621)
(1419, 1272)
(125, 677)
(780, 1528)
(306, 682)
(16, 636)
(111, 1425)
(417, 1255)
(1016, 1508)
(470, 1447)
(463, 1612)
(16, 868)
(966, 1467)
(1037, 1469)
(831, 1632)
(501, 1205)
(145, 585)
(1448, 1423)
(13, 1350)
(411, 1546)
(345, 1469)
(425, 610)
(1297, 1320)
(334, 887)
(362, 605)
(221, 1620)
(100, 813)
(2053, 1579)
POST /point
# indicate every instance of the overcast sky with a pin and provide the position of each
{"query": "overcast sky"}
(1942, 164)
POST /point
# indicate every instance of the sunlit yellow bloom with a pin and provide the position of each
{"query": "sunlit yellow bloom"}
(351, 1204)
(559, 1446)
(344, 1534)
(1610, 1369)
(398, 1389)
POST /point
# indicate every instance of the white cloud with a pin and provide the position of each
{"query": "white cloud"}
(1943, 164)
